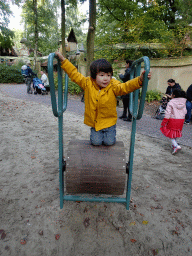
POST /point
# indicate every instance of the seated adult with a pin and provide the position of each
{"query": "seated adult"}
(188, 105)
(45, 80)
(171, 86)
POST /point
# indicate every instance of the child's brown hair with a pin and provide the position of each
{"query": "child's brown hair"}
(100, 65)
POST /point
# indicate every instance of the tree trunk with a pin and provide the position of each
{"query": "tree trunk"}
(36, 33)
(63, 27)
(91, 33)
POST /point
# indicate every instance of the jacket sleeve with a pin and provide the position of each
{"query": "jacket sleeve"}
(167, 91)
(31, 72)
(168, 110)
(178, 86)
(126, 76)
(125, 88)
(73, 74)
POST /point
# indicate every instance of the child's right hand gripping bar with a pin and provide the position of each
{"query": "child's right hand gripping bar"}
(62, 104)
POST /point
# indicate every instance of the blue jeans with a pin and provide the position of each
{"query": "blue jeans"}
(189, 107)
(105, 136)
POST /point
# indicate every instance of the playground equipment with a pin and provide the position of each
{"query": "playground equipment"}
(96, 169)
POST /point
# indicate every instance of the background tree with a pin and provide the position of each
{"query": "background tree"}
(91, 33)
(141, 22)
(75, 19)
(47, 26)
(6, 35)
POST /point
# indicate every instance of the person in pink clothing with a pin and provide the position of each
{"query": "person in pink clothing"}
(173, 121)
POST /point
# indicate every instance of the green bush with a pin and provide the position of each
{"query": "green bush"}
(153, 95)
(10, 74)
(73, 88)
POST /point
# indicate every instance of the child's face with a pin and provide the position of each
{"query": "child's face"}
(103, 79)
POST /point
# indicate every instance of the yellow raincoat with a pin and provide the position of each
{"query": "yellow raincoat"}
(100, 104)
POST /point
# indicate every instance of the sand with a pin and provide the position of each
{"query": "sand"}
(159, 221)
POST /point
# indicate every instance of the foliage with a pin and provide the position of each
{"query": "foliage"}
(143, 22)
(18, 35)
(73, 88)
(112, 53)
(47, 26)
(5, 12)
(179, 44)
(75, 20)
(10, 74)
(49, 31)
(153, 95)
(6, 35)
(6, 38)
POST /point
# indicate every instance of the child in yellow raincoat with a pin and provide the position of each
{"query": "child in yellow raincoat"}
(100, 92)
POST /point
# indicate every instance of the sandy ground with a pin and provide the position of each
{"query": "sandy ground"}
(159, 221)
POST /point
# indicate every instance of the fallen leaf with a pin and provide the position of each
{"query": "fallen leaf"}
(41, 232)
(57, 237)
(132, 223)
(86, 222)
(175, 233)
(23, 241)
(133, 240)
(2, 233)
(158, 207)
(85, 210)
(155, 251)
(145, 222)
(33, 157)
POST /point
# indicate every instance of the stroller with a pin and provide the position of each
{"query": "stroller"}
(160, 113)
(39, 86)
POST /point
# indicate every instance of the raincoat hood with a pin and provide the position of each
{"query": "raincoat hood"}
(176, 108)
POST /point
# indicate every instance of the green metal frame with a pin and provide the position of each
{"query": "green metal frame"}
(135, 110)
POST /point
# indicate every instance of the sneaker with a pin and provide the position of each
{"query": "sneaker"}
(177, 146)
(186, 122)
(123, 116)
(127, 119)
(176, 149)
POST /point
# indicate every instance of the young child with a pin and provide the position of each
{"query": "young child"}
(173, 121)
(100, 91)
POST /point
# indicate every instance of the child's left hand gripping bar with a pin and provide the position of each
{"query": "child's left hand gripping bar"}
(62, 103)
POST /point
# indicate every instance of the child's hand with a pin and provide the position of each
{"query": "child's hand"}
(142, 75)
(60, 56)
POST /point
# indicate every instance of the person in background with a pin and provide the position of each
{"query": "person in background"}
(30, 75)
(173, 121)
(188, 105)
(100, 95)
(45, 80)
(171, 86)
(126, 116)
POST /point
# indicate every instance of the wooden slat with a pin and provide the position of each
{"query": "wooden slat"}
(95, 169)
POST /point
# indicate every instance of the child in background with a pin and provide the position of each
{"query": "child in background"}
(173, 121)
(100, 92)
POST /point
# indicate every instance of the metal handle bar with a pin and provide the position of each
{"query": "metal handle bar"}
(62, 104)
(135, 71)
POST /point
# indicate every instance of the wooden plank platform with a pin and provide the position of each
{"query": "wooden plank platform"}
(95, 169)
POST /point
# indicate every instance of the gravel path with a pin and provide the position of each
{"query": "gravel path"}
(146, 126)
